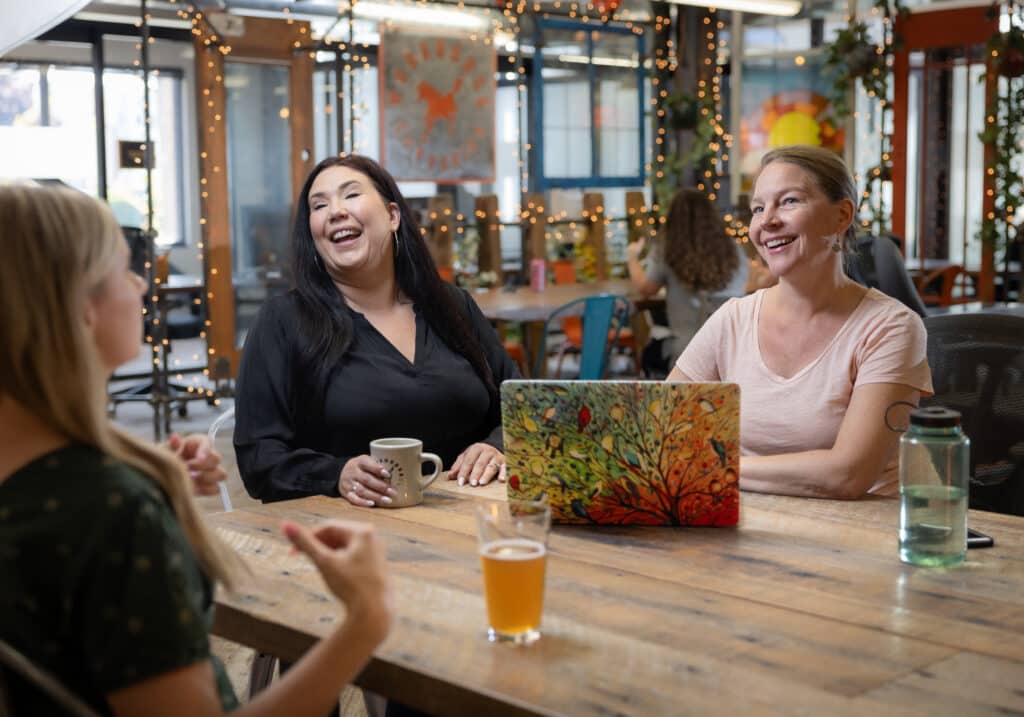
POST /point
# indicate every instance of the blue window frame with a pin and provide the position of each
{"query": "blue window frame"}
(588, 87)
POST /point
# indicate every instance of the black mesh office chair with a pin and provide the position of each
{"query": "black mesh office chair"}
(878, 263)
(977, 363)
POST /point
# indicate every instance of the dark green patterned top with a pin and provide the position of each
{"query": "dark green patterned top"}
(100, 586)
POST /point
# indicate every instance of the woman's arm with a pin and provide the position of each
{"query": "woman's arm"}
(641, 282)
(482, 462)
(271, 461)
(847, 470)
(351, 560)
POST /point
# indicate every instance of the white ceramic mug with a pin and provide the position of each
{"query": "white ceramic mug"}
(403, 458)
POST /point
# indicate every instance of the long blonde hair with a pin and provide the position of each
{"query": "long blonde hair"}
(58, 246)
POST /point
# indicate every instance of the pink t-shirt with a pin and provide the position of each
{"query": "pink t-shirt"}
(881, 342)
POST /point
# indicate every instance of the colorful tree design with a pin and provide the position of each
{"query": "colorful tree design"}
(631, 453)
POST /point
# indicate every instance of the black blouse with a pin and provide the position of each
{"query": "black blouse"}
(374, 392)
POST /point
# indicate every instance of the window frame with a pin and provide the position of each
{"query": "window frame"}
(538, 179)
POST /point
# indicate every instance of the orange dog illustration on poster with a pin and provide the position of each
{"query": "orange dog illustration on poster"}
(437, 106)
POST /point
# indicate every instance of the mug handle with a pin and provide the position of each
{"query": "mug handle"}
(438, 466)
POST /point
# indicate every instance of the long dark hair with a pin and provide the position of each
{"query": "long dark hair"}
(697, 249)
(325, 325)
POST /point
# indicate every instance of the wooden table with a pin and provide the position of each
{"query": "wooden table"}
(803, 609)
(526, 305)
(532, 308)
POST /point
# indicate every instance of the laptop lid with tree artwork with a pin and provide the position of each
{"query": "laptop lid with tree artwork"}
(625, 452)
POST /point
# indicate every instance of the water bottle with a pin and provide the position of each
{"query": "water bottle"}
(934, 475)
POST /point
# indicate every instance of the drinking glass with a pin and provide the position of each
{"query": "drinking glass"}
(513, 556)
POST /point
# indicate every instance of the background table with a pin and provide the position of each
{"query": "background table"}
(802, 609)
(1011, 308)
(532, 308)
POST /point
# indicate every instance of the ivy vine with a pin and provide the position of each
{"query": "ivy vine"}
(852, 55)
(1004, 130)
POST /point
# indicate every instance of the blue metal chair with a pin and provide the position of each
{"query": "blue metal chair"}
(604, 316)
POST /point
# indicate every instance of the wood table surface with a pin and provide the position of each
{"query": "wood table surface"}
(804, 608)
(526, 305)
(532, 308)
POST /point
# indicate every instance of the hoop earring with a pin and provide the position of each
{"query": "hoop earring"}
(395, 235)
(837, 245)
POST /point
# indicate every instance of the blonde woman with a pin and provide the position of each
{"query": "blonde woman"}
(818, 357)
(106, 564)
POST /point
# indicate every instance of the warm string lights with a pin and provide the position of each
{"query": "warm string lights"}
(874, 210)
(212, 122)
(666, 62)
(1003, 135)
(709, 102)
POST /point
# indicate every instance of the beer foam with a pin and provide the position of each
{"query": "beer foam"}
(513, 549)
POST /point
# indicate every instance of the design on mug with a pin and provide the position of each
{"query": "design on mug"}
(394, 468)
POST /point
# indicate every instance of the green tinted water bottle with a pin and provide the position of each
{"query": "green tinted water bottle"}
(934, 478)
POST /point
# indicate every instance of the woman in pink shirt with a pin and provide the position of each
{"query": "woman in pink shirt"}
(818, 357)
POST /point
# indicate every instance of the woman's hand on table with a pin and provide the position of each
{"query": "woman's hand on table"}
(202, 461)
(362, 482)
(478, 465)
(351, 559)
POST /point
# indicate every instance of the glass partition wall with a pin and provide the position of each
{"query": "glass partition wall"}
(259, 184)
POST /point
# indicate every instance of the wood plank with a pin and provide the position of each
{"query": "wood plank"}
(535, 220)
(582, 637)
(962, 684)
(594, 233)
(440, 229)
(636, 215)
(803, 621)
(215, 218)
(489, 230)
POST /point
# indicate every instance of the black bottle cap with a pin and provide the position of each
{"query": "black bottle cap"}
(935, 417)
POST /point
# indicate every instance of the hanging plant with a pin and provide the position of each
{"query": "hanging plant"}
(681, 111)
(1009, 49)
(1004, 132)
(853, 55)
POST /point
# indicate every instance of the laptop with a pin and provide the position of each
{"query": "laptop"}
(625, 452)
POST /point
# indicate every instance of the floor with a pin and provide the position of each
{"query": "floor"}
(138, 418)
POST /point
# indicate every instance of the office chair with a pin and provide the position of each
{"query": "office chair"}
(603, 317)
(146, 391)
(977, 363)
(878, 263)
(564, 271)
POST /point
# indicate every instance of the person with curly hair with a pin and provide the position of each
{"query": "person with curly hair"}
(693, 259)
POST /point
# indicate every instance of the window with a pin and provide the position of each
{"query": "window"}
(48, 131)
(589, 122)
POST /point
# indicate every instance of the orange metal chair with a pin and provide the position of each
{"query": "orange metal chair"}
(572, 326)
(515, 350)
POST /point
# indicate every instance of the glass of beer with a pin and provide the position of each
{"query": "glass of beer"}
(513, 555)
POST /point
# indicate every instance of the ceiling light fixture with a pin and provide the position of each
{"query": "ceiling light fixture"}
(783, 8)
(419, 15)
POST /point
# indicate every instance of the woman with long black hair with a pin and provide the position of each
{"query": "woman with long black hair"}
(370, 343)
